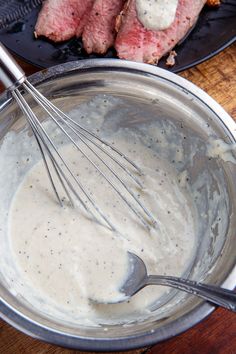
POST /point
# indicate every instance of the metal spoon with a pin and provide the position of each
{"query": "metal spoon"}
(138, 279)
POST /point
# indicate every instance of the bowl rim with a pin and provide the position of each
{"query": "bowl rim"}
(186, 321)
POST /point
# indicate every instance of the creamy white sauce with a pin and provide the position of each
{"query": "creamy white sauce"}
(194, 187)
(156, 14)
(66, 259)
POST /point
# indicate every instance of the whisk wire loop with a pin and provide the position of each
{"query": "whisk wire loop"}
(62, 120)
(39, 100)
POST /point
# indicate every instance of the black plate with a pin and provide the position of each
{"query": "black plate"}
(215, 30)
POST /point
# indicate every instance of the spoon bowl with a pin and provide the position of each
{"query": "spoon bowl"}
(138, 278)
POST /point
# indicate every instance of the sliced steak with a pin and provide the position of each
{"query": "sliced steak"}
(134, 42)
(99, 31)
(60, 20)
(86, 8)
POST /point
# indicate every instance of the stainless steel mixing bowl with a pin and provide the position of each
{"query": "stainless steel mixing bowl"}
(154, 94)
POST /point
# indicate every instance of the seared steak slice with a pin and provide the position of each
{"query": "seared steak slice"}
(60, 20)
(130, 37)
(86, 7)
(99, 31)
(134, 42)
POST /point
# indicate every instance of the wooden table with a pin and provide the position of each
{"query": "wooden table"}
(217, 333)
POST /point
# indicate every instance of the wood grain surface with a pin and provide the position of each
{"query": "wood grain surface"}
(217, 333)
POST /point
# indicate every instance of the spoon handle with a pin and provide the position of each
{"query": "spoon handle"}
(215, 294)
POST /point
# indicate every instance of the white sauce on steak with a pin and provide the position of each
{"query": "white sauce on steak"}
(156, 14)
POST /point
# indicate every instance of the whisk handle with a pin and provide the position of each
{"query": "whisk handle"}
(11, 73)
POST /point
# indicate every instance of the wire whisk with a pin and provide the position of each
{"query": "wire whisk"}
(90, 145)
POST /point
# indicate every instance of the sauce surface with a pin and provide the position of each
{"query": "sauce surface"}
(156, 14)
(66, 259)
